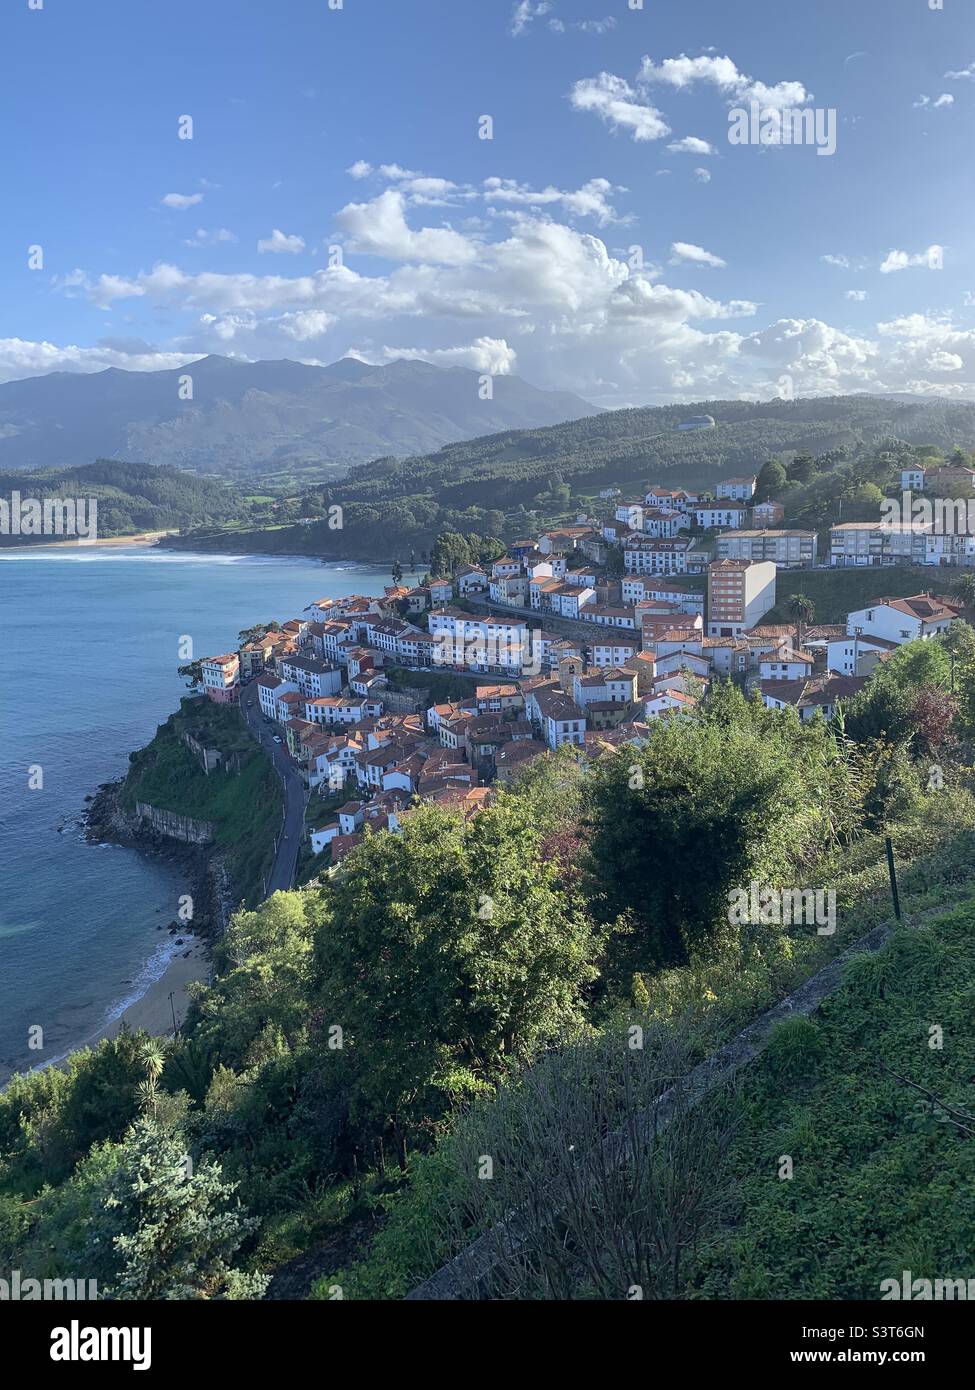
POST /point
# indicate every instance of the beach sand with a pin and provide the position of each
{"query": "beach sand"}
(153, 1011)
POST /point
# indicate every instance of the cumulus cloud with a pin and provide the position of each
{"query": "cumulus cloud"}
(686, 251)
(490, 355)
(591, 200)
(216, 237)
(961, 75)
(842, 261)
(181, 201)
(702, 175)
(614, 101)
(932, 258)
(945, 99)
(280, 243)
(722, 73)
(691, 144)
(858, 296)
(379, 228)
(20, 358)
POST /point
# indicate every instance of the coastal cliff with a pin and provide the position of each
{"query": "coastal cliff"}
(202, 796)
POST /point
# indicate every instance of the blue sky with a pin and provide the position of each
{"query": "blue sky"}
(759, 270)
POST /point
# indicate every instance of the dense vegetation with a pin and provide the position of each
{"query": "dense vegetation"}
(241, 797)
(131, 497)
(467, 989)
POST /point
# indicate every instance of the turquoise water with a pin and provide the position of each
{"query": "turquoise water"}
(90, 638)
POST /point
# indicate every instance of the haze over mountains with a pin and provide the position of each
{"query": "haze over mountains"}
(248, 418)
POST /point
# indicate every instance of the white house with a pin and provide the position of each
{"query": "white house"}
(904, 619)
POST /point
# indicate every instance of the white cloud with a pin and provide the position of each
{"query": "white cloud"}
(523, 14)
(280, 243)
(490, 355)
(379, 228)
(968, 72)
(306, 323)
(945, 99)
(181, 201)
(702, 175)
(691, 144)
(20, 358)
(591, 200)
(361, 169)
(615, 102)
(842, 261)
(722, 73)
(216, 237)
(858, 296)
(933, 258)
(687, 251)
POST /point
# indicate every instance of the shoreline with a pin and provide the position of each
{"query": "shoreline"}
(152, 1010)
(143, 538)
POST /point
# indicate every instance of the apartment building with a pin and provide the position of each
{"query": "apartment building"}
(786, 549)
(740, 592)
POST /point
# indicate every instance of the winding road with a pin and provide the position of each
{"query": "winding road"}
(282, 875)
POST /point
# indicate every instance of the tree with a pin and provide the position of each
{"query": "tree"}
(770, 482)
(449, 950)
(396, 570)
(964, 588)
(674, 825)
(164, 1228)
(192, 673)
(803, 610)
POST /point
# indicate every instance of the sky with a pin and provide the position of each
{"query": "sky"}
(338, 194)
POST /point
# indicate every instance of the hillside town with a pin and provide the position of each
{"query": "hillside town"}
(582, 635)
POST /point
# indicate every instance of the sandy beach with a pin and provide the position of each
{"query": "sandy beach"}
(153, 1011)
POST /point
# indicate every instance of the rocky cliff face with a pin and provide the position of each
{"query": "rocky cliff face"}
(173, 826)
(183, 842)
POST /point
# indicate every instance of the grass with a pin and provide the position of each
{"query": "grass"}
(837, 592)
(881, 1177)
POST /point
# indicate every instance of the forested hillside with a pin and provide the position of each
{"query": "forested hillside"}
(131, 497)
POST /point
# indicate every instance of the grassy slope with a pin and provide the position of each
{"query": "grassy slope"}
(837, 592)
(882, 1181)
(245, 807)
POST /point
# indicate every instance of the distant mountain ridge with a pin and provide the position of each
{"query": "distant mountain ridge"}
(253, 417)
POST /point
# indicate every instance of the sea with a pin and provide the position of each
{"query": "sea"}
(91, 642)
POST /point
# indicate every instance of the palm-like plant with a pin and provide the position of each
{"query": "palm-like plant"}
(803, 610)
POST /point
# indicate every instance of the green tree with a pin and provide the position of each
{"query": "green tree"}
(701, 808)
(168, 1228)
(803, 610)
(449, 951)
(771, 481)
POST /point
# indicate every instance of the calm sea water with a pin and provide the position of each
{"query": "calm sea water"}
(90, 650)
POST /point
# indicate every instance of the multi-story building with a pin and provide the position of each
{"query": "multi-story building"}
(641, 556)
(767, 513)
(740, 592)
(221, 677)
(736, 489)
(878, 543)
(712, 515)
(786, 549)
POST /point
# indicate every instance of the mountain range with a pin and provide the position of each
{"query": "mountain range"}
(261, 417)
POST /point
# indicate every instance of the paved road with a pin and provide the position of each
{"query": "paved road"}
(282, 875)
